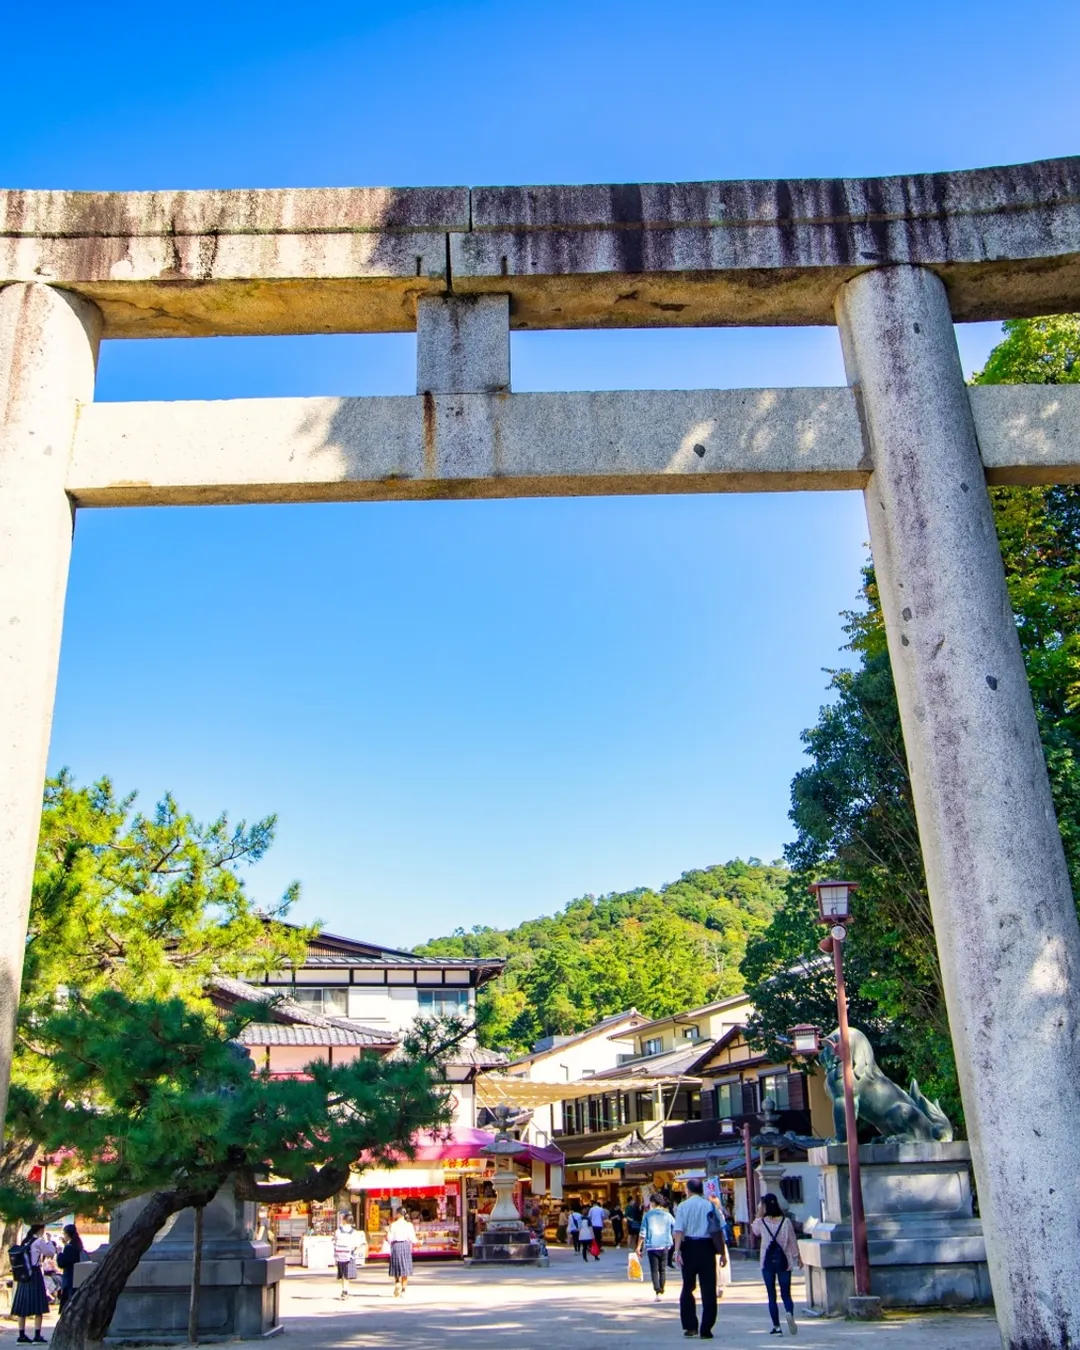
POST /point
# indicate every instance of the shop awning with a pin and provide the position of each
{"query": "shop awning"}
(500, 1089)
(455, 1145)
(672, 1159)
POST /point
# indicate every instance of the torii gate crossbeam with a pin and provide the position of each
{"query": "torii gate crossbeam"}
(892, 262)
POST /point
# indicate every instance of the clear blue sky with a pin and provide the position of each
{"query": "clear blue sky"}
(472, 712)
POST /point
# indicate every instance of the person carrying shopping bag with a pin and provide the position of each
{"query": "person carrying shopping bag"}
(654, 1239)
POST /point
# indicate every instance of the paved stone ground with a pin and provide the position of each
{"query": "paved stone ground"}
(572, 1306)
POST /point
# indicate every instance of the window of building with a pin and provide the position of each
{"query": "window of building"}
(692, 1033)
(775, 1085)
(645, 1107)
(653, 1046)
(444, 1002)
(729, 1100)
(791, 1190)
(325, 1002)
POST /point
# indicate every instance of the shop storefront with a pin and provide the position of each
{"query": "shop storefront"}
(446, 1189)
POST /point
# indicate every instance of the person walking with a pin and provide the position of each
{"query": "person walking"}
(70, 1254)
(779, 1256)
(573, 1228)
(617, 1226)
(634, 1216)
(654, 1238)
(401, 1236)
(585, 1238)
(30, 1299)
(696, 1258)
(347, 1244)
(597, 1215)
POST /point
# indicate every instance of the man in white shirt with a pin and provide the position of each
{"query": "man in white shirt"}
(597, 1216)
(696, 1258)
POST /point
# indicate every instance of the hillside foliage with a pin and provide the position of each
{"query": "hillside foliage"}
(657, 951)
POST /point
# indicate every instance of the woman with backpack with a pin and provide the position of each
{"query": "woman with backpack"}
(779, 1256)
(30, 1299)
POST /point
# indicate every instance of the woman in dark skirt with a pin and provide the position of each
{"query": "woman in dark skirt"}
(401, 1236)
(30, 1299)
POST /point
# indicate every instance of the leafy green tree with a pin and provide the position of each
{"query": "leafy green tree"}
(658, 951)
(156, 1100)
(146, 904)
(853, 808)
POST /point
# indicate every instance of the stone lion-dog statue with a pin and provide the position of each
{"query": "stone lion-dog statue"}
(879, 1101)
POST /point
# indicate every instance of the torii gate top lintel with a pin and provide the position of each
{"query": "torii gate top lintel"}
(1006, 242)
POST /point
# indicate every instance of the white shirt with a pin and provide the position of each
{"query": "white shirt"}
(596, 1217)
(401, 1230)
(692, 1217)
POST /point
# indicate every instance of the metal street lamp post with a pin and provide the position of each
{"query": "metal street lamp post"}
(728, 1126)
(834, 908)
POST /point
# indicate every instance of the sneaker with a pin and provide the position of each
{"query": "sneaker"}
(22, 1336)
(776, 1332)
(793, 1330)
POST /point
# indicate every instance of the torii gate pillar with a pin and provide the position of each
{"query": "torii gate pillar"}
(1004, 916)
(48, 356)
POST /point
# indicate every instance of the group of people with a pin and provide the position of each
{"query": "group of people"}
(694, 1240)
(351, 1248)
(585, 1229)
(44, 1272)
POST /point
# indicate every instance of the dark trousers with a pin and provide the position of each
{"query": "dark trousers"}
(576, 1240)
(585, 1244)
(770, 1277)
(698, 1267)
(598, 1234)
(658, 1268)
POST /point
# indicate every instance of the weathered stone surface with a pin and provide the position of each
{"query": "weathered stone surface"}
(466, 445)
(1004, 915)
(1006, 241)
(926, 1246)
(362, 449)
(463, 344)
(1028, 433)
(238, 1282)
(191, 264)
(48, 351)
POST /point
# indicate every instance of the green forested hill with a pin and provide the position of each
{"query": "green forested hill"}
(657, 951)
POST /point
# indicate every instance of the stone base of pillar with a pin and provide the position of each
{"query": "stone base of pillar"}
(926, 1246)
(239, 1285)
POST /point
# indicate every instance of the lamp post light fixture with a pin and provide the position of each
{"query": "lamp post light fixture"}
(805, 1039)
(834, 909)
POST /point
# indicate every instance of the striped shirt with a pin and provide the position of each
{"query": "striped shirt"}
(692, 1217)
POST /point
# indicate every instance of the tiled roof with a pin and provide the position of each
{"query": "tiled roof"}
(673, 1064)
(598, 1028)
(733, 1001)
(274, 1033)
(478, 1056)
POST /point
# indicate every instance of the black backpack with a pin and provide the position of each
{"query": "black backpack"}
(775, 1256)
(19, 1257)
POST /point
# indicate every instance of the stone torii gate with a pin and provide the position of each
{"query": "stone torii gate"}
(891, 262)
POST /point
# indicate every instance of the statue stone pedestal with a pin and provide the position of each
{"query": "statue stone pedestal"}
(239, 1285)
(926, 1246)
(506, 1240)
